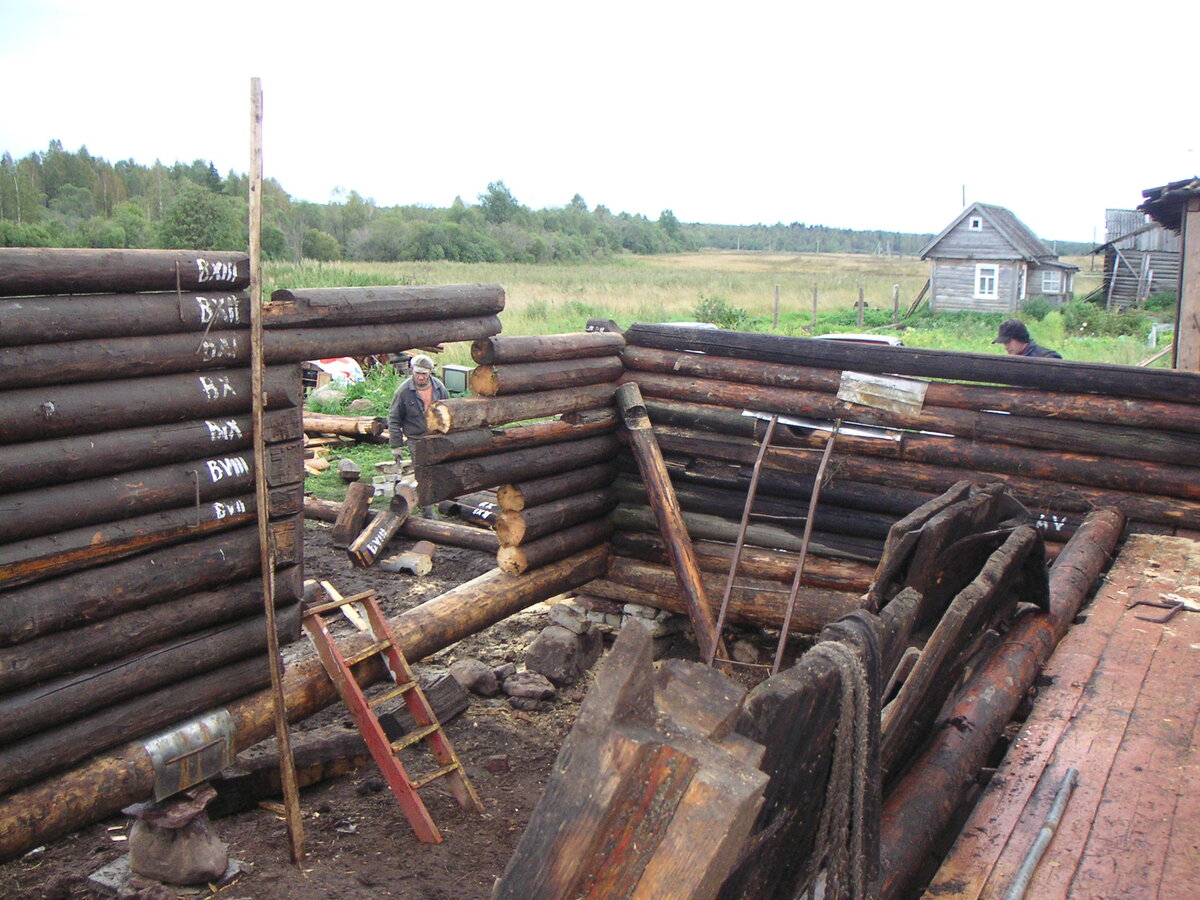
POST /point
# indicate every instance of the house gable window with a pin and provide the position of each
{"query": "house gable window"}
(987, 282)
(975, 223)
(1051, 281)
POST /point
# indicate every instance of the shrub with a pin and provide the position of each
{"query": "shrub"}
(1164, 301)
(1035, 308)
(718, 311)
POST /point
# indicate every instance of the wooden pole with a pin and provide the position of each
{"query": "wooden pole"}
(861, 305)
(670, 519)
(775, 317)
(895, 304)
(287, 765)
(814, 314)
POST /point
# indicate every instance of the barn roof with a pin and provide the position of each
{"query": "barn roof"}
(1165, 204)
(1017, 233)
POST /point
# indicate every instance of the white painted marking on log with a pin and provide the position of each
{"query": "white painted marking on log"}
(216, 388)
(222, 309)
(223, 431)
(229, 467)
(219, 348)
(222, 510)
(215, 271)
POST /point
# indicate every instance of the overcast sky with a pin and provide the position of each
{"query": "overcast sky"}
(861, 115)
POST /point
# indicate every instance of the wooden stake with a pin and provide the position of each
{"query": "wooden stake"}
(287, 765)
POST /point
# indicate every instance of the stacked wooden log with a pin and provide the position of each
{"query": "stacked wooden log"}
(129, 561)
(129, 564)
(553, 471)
(1064, 437)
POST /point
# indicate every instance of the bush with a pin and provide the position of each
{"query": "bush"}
(718, 311)
(1164, 301)
(1035, 308)
(1083, 320)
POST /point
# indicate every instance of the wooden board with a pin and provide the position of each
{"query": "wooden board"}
(1122, 709)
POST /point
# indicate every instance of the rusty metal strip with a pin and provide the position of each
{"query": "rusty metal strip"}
(808, 527)
(741, 538)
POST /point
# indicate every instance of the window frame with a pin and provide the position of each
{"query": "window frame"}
(980, 293)
(975, 223)
(1057, 286)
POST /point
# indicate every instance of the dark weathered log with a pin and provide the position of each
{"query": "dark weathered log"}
(349, 426)
(531, 523)
(352, 515)
(321, 510)
(69, 551)
(543, 347)
(450, 534)
(994, 592)
(524, 378)
(296, 308)
(52, 751)
(754, 601)
(52, 704)
(563, 543)
(97, 641)
(1052, 497)
(65, 803)
(478, 508)
(920, 805)
(519, 495)
(1112, 409)
(61, 271)
(39, 320)
(844, 493)
(42, 511)
(39, 414)
(38, 463)
(1154, 445)
(287, 344)
(628, 517)
(1050, 375)
(780, 512)
(461, 414)
(453, 479)
(661, 495)
(135, 357)
(368, 545)
(755, 562)
(436, 448)
(106, 591)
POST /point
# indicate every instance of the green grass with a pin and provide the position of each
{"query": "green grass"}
(328, 486)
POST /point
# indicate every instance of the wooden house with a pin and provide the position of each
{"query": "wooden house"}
(1141, 258)
(1176, 206)
(987, 260)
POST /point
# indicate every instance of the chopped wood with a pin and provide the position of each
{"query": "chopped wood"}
(367, 546)
(527, 377)
(416, 561)
(349, 426)
(351, 515)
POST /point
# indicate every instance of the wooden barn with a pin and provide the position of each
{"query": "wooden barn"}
(1140, 258)
(988, 260)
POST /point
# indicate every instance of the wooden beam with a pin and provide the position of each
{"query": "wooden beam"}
(26, 271)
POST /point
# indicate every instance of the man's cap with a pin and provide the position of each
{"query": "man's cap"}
(422, 364)
(1012, 330)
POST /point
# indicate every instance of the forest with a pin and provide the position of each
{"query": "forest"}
(60, 198)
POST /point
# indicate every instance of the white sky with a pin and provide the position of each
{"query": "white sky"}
(861, 115)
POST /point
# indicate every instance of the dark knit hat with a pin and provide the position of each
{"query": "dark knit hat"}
(1012, 330)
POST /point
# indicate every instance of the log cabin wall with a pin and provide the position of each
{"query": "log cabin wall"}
(553, 476)
(1065, 437)
(130, 587)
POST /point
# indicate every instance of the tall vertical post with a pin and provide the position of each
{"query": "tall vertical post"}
(861, 305)
(775, 319)
(1187, 322)
(895, 304)
(287, 766)
(814, 321)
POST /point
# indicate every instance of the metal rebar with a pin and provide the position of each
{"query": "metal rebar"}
(1025, 874)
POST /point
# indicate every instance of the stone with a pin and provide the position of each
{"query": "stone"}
(475, 676)
(569, 616)
(528, 704)
(361, 405)
(529, 686)
(505, 670)
(497, 763)
(328, 394)
(637, 609)
(349, 470)
(557, 654)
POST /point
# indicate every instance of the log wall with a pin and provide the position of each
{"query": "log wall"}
(130, 583)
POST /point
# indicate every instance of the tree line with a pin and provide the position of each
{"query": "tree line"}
(60, 198)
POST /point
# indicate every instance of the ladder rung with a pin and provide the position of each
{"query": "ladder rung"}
(392, 694)
(370, 650)
(440, 773)
(413, 736)
(337, 604)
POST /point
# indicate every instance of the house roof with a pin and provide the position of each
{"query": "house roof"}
(1165, 204)
(1017, 233)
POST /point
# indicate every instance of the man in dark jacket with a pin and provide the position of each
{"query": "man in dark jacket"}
(406, 418)
(1017, 342)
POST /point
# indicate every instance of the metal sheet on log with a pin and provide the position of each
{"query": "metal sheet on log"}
(903, 396)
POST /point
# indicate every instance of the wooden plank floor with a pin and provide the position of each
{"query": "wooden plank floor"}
(1123, 709)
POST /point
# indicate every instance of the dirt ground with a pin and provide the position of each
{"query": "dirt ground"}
(358, 843)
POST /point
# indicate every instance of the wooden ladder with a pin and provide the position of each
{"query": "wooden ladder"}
(427, 728)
